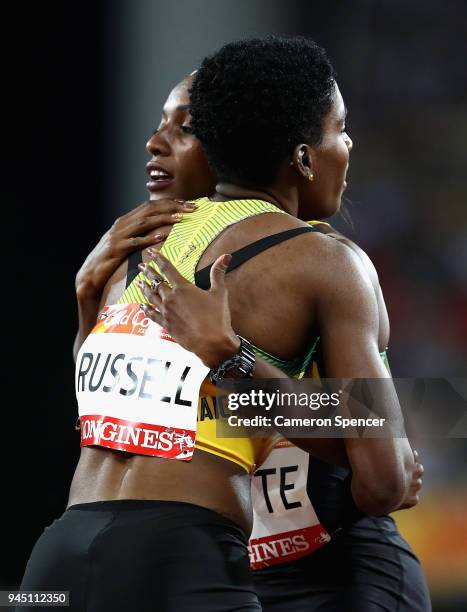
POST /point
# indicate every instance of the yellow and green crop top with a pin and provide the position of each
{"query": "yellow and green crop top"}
(183, 248)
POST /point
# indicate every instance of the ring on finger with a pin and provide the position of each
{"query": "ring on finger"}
(155, 283)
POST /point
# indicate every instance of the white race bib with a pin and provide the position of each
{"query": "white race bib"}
(285, 525)
(137, 388)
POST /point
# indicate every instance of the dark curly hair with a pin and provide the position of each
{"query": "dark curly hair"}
(254, 100)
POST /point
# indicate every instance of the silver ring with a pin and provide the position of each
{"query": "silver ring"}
(155, 284)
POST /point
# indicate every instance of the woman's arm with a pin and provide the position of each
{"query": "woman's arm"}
(88, 309)
(346, 307)
(348, 318)
(131, 232)
(209, 334)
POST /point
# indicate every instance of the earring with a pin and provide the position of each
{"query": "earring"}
(311, 176)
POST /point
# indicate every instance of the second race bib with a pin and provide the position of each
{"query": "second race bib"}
(285, 525)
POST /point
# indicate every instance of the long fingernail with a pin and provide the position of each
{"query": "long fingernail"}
(190, 205)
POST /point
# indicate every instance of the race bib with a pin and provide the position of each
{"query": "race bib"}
(137, 388)
(285, 525)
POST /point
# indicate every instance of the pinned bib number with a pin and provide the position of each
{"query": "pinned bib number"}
(137, 388)
(285, 525)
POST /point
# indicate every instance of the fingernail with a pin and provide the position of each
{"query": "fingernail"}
(190, 205)
(142, 266)
(177, 216)
(159, 236)
(226, 260)
(179, 201)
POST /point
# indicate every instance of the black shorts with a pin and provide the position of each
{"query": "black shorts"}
(145, 556)
(367, 568)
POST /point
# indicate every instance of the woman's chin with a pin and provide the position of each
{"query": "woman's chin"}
(332, 207)
(159, 195)
(321, 208)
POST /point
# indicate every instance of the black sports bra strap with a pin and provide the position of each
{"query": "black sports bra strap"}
(202, 278)
(133, 260)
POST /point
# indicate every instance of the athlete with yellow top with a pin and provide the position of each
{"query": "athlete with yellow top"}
(213, 485)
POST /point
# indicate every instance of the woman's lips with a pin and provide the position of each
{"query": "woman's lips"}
(159, 185)
(159, 177)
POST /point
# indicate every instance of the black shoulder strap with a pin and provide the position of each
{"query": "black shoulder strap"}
(202, 279)
(133, 260)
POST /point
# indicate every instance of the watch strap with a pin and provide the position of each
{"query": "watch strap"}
(241, 365)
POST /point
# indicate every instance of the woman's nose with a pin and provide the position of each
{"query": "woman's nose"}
(157, 145)
(349, 143)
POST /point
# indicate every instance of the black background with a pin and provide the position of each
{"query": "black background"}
(53, 85)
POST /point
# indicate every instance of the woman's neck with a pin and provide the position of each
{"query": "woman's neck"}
(229, 191)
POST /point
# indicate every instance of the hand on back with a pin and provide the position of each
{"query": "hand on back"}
(142, 227)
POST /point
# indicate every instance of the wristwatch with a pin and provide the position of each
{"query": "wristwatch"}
(241, 365)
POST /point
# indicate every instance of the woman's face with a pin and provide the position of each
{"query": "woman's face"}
(178, 167)
(322, 196)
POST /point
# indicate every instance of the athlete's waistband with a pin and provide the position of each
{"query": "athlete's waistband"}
(112, 505)
(162, 506)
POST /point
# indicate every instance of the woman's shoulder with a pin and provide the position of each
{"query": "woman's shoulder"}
(327, 229)
(369, 269)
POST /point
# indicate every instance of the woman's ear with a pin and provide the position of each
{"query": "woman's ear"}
(303, 161)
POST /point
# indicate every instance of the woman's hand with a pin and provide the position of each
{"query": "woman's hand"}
(148, 224)
(198, 320)
(412, 498)
(134, 231)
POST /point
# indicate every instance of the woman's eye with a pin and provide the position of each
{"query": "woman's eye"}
(187, 129)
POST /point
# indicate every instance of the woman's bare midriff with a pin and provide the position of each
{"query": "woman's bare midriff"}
(207, 480)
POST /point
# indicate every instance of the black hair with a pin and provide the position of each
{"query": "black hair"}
(254, 100)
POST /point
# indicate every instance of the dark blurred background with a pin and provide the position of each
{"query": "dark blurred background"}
(82, 89)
